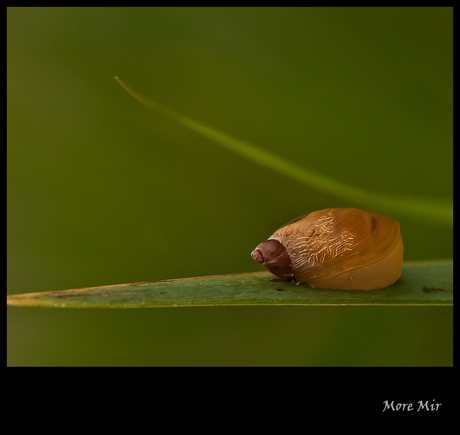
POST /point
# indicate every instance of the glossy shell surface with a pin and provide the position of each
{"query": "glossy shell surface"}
(342, 249)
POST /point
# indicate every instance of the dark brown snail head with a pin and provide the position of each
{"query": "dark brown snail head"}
(274, 256)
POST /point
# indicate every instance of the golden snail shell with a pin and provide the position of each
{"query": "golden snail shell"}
(339, 248)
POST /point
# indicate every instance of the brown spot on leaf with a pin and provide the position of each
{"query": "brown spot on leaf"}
(434, 289)
(75, 295)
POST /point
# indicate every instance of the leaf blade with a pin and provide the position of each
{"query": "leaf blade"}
(439, 210)
(422, 284)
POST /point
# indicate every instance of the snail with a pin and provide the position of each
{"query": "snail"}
(339, 248)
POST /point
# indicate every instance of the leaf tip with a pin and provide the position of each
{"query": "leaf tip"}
(120, 81)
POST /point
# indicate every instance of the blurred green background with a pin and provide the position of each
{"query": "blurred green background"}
(101, 190)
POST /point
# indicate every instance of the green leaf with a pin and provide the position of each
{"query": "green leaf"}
(435, 210)
(421, 283)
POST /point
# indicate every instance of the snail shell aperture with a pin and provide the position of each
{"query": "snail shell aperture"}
(339, 248)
